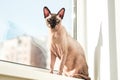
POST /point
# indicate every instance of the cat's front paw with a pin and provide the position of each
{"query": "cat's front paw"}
(51, 71)
(59, 73)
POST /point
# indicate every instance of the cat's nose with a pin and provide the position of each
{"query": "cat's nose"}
(53, 24)
(53, 21)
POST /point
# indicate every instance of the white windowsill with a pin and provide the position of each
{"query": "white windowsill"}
(28, 72)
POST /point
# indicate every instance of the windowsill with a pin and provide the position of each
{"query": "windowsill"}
(27, 72)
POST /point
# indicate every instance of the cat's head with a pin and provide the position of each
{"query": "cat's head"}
(53, 19)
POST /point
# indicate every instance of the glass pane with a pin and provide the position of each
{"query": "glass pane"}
(23, 31)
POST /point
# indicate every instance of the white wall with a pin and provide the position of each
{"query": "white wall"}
(98, 30)
(112, 40)
(81, 23)
(117, 16)
(98, 39)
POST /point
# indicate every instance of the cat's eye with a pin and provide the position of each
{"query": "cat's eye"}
(57, 21)
(48, 20)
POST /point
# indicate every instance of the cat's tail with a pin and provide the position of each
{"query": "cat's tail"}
(81, 76)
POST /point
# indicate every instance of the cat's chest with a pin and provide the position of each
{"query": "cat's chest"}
(57, 49)
(56, 38)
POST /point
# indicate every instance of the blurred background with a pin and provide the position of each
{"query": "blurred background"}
(26, 17)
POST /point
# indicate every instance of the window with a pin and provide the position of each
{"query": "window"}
(24, 34)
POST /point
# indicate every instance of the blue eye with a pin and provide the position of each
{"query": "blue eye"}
(48, 20)
(57, 20)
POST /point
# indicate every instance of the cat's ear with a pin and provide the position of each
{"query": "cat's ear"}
(61, 13)
(46, 12)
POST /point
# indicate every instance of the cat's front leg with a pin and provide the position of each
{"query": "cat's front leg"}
(62, 63)
(52, 61)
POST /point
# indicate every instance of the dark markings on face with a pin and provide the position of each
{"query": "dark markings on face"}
(53, 20)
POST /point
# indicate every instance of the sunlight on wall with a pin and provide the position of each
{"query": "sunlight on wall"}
(93, 33)
(98, 39)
